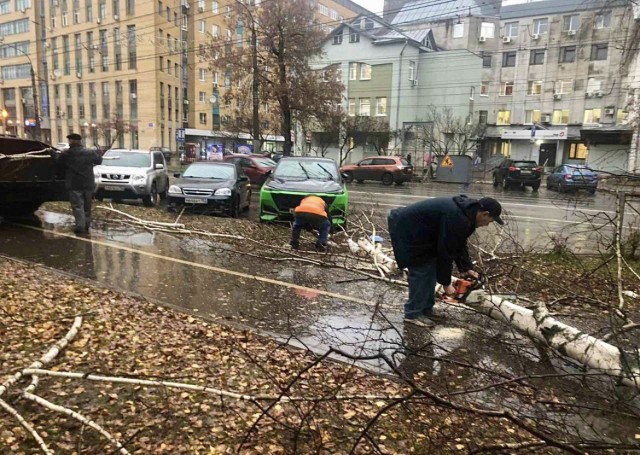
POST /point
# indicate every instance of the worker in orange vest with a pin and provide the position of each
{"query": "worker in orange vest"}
(312, 213)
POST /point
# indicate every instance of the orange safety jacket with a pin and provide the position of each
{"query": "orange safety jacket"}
(313, 205)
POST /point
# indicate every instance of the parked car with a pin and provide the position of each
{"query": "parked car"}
(386, 169)
(212, 187)
(520, 173)
(166, 152)
(572, 177)
(297, 177)
(257, 168)
(132, 174)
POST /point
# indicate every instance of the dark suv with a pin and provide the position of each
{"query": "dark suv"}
(519, 173)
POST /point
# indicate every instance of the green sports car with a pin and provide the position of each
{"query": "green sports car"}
(297, 177)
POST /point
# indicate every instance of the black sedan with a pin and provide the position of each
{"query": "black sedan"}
(211, 187)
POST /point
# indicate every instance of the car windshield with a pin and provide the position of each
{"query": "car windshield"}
(265, 162)
(578, 168)
(525, 164)
(126, 159)
(306, 169)
(209, 171)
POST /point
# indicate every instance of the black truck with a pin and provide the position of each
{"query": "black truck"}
(29, 176)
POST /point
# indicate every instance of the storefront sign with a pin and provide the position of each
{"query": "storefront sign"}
(539, 134)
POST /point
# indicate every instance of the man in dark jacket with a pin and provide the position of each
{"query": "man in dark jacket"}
(427, 237)
(79, 180)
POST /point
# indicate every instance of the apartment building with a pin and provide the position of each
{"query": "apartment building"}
(119, 70)
(552, 82)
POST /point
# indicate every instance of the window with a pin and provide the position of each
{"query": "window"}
(537, 57)
(202, 97)
(484, 89)
(131, 7)
(88, 10)
(102, 9)
(160, 7)
(560, 117)
(412, 71)
(16, 72)
(505, 148)
(532, 116)
(599, 51)
(215, 31)
(483, 117)
(14, 27)
(504, 118)
(594, 85)
(131, 46)
(506, 88)
(622, 117)
(540, 26)
(227, 11)
(203, 118)
(17, 49)
(381, 106)
(365, 72)
(202, 74)
(511, 29)
(564, 87)
(458, 30)
(354, 37)
(353, 71)
(352, 107)
(488, 30)
(337, 38)
(161, 63)
(509, 59)
(486, 60)
(602, 20)
(201, 5)
(567, 54)
(214, 7)
(534, 88)
(365, 107)
(23, 4)
(324, 10)
(578, 151)
(202, 26)
(592, 116)
(571, 23)
(333, 14)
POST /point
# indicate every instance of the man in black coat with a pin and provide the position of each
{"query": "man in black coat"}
(79, 180)
(427, 237)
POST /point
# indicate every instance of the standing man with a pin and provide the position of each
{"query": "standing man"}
(79, 180)
(312, 213)
(427, 237)
(409, 158)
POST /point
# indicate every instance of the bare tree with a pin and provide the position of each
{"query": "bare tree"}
(287, 42)
(444, 133)
(111, 131)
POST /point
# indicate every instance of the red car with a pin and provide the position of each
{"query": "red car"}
(256, 167)
(387, 169)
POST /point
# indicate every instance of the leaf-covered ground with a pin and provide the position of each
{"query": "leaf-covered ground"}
(126, 337)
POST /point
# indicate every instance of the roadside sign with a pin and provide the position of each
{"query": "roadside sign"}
(180, 134)
(447, 161)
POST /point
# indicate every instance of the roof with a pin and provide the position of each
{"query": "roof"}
(419, 11)
(384, 33)
(549, 7)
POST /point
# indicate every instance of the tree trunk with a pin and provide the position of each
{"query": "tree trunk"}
(285, 103)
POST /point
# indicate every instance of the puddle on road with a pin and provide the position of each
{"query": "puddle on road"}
(314, 319)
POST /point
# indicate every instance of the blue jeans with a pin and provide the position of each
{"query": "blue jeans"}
(422, 290)
(300, 223)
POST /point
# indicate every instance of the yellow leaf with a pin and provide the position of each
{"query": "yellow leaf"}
(349, 415)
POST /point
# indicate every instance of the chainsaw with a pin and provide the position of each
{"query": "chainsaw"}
(464, 288)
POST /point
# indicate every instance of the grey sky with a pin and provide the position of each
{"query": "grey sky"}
(371, 5)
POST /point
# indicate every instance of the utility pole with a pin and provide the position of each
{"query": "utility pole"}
(256, 88)
(36, 110)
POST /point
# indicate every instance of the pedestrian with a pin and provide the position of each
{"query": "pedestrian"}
(409, 158)
(427, 237)
(79, 180)
(312, 213)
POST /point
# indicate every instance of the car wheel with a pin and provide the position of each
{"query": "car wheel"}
(248, 202)
(560, 188)
(387, 179)
(164, 194)
(151, 199)
(496, 183)
(235, 208)
(360, 180)
(348, 177)
(535, 187)
(505, 183)
(592, 191)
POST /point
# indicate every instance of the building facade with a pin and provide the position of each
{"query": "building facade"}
(121, 71)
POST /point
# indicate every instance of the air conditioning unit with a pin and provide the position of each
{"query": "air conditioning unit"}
(482, 39)
(134, 96)
(79, 75)
(588, 95)
(571, 32)
(215, 85)
(186, 101)
(98, 21)
(53, 77)
(535, 37)
(94, 47)
(609, 111)
(506, 39)
(414, 82)
(116, 17)
(23, 10)
(546, 119)
(598, 94)
(55, 51)
(557, 96)
(201, 9)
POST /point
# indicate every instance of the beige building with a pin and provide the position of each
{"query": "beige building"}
(121, 71)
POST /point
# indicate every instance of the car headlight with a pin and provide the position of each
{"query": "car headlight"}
(139, 178)
(96, 173)
(223, 192)
(174, 189)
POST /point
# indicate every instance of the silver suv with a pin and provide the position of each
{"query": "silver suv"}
(132, 174)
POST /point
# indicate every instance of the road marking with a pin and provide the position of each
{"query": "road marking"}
(207, 267)
(515, 217)
(413, 196)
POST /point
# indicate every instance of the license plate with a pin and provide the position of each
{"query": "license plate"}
(525, 172)
(195, 200)
(113, 188)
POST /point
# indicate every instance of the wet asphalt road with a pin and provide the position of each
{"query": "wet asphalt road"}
(302, 304)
